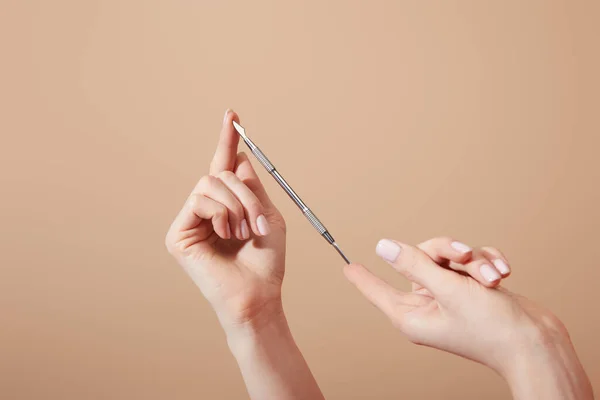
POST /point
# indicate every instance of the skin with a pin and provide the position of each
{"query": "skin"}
(525, 343)
(230, 239)
(240, 273)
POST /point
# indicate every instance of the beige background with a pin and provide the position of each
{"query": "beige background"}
(400, 119)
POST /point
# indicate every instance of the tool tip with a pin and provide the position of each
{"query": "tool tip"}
(341, 253)
(240, 129)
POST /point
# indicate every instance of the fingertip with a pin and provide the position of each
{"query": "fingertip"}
(461, 248)
(224, 232)
(487, 283)
(461, 258)
(497, 258)
(226, 116)
(262, 225)
(224, 158)
(241, 157)
(491, 276)
(351, 270)
(245, 232)
(388, 249)
(502, 267)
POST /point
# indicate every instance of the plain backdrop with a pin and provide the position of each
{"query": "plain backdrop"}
(401, 119)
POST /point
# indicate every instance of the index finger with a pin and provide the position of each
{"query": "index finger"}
(226, 152)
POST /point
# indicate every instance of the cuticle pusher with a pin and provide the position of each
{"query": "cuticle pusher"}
(312, 218)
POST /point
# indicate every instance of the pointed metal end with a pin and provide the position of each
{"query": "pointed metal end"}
(240, 129)
(341, 253)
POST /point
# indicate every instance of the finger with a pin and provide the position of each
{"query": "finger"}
(245, 171)
(443, 249)
(197, 208)
(225, 154)
(417, 267)
(253, 208)
(215, 189)
(459, 257)
(498, 260)
(480, 269)
(383, 296)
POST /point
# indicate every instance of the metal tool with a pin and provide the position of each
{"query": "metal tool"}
(312, 218)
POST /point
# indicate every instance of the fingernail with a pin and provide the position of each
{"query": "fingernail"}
(263, 225)
(461, 247)
(489, 273)
(387, 250)
(501, 266)
(244, 229)
(228, 232)
(226, 114)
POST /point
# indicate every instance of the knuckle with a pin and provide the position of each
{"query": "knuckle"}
(408, 259)
(226, 175)
(254, 207)
(492, 250)
(280, 221)
(476, 264)
(444, 239)
(221, 211)
(553, 323)
(193, 201)
(237, 210)
(170, 244)
(206, 182)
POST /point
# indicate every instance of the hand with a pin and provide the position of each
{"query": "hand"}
(230, 238)
(458, 314)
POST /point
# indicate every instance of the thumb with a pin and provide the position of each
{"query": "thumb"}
(417, 267)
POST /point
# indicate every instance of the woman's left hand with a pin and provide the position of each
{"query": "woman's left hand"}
(456, 313)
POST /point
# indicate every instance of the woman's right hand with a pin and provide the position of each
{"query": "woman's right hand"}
(523, 342)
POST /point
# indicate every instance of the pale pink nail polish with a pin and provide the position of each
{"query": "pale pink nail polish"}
(489, 273)
(226, 114)
(460, 247)
(263, 225)
(387, 250)
(244, 229)
(228, 232)
(501, 266)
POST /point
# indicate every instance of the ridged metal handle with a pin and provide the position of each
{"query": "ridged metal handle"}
(263, 159)
(314, 221)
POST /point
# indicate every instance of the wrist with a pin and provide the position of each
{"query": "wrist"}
(543, 364)
(269, 320)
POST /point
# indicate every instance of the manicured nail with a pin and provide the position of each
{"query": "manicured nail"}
(489, 273)
(226, 114)
(501, 266)
(228, 233)
(460, 247)
(263, 225)
(387, 250)
(244, 229)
